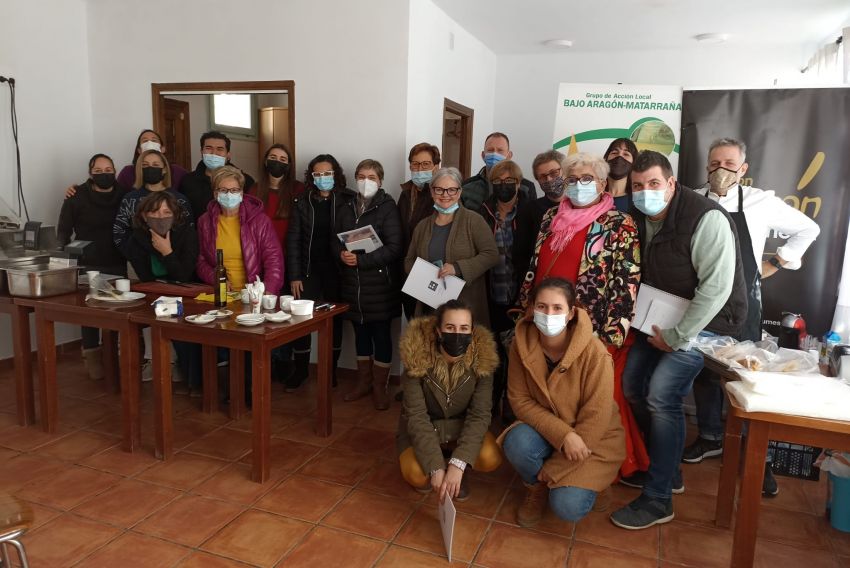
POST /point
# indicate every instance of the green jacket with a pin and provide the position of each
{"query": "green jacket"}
(433, 415)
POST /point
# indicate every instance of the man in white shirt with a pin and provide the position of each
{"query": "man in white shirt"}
(756, 213)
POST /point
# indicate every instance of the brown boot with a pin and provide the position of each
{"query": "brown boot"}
(532, 509)
(380, 378)
(603, 500)
(364, 380)
(93, 360)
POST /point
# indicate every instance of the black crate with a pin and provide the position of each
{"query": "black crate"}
(793, 460)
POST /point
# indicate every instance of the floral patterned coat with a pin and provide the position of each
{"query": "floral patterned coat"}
(609, 274)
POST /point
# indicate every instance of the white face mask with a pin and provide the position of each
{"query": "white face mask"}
(367, 188)
(550, 325)
(150, 145)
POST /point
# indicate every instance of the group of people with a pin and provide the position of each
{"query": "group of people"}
(540, 334)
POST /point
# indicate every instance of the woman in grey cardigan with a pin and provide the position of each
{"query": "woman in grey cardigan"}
(456, 239)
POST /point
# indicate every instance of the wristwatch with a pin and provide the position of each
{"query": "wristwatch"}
(775, 262)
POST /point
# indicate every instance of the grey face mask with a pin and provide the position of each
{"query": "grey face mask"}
(160, 225)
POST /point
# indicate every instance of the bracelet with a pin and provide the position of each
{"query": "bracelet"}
(775, 262)
(460, 464)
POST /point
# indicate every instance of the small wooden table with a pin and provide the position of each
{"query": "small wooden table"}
(259, 341)
(24, 392)
(762, 426)
(72, 308)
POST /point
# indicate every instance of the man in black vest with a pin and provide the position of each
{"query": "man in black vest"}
(689, 248)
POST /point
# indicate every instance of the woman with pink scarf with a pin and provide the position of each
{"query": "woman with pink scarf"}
(587, 241)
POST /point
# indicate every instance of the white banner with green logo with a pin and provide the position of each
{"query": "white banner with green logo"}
(590, 116)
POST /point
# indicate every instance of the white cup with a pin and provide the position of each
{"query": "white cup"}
(122, 284)
(285, 301)
(269, 302)
(92, 274)
(246, 296)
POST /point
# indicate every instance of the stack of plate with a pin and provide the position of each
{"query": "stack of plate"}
(250, 319)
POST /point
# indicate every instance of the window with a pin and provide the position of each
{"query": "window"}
(235, 115)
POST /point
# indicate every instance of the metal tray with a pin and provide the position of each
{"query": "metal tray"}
(41, 280)
(18, 262)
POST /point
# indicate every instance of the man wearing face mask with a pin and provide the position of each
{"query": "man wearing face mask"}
(689, 248)
(757, 214)
(215, 152)
(477, 189)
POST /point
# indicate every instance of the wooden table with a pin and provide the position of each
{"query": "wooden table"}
(762, 426)
(259, 341)
(73, 308)
(24, 393)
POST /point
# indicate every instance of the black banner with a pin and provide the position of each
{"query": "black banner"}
(798, 145)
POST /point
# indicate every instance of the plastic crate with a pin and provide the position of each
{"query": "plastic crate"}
(793, 460)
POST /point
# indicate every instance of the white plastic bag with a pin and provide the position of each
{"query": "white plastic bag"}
(837, 463)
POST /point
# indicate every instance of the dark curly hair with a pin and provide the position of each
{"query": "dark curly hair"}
(339, 175)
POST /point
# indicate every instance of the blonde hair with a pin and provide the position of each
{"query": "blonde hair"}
(508, 166)
(140, 179)
(600, 167)
(227, 172)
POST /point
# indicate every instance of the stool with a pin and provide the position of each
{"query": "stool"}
(15, 519)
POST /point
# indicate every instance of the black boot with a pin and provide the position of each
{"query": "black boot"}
(301, 370)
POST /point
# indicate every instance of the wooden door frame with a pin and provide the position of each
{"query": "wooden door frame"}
(467, 117)
(158, 90)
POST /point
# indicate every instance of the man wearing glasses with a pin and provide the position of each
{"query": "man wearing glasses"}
(477, 189)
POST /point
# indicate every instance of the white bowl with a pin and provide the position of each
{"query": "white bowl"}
(301, 307)
(200, 319)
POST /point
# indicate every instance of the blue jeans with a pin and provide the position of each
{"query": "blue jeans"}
(708, 398)
(528, 451)
(655, 383)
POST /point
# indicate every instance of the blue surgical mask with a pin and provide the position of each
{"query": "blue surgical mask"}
(214, 161)
(447, 210)
(229, 200)
(419, 179)
(650, 201)
(581, 194)
(324, 183)
(493, 158)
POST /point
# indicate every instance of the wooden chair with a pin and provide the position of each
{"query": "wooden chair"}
(16, 518)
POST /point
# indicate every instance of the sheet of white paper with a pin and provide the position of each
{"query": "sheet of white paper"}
(422, 283)
(366, 245)
(353, 239)
(656, 307)
(447, 514)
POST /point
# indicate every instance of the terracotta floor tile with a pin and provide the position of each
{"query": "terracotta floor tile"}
(327, 547)
(6, 454)
(422, 532)
(790, 527)
(697, 546)
(126, 503)
(303, 498)
(484, 499)
(258, 538)
(42, 514)
(69, 487)
(504, 474)
(189, 520)
(792, 496)
(585, 555)
(304, 430)
(66, 540)
(187, 431)
(108, 424)
(115, 460)
(279, 421)
(401, 557)
(597, 528)
(183, 471)
(207, 560)
(512, 547)
(25, 439)
(383, 420)
(194, 412)
(771, 555)
(81, 413)
(844, 561)
(233, 483)
(696, 508)
(815, 492)
(339, 467)
(370, 515)
(378, 443)
(703, 477)
(386, 479)
(287, 456)
(550, 523)
(223, 443)
(78, 446)
(350, 411)
(301, 404)
(26, 468)
(137, 551)
(840, 541)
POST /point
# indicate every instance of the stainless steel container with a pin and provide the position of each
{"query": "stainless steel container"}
(42, 280)
(22, 261)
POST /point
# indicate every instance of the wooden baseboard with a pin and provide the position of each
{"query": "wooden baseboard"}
(62, 349)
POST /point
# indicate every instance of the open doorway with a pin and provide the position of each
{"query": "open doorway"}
(253, 114)
(457, 136)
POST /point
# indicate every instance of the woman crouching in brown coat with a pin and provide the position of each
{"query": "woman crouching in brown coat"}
(448, 392)
(568, 441)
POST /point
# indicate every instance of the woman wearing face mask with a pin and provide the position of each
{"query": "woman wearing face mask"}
(310, 259)
(619, 156)
(443, 429)
(370, 282)
(587, 241)
(88, 216)
(458, 241)
(415, 202)
(153, 174)
(568, 442)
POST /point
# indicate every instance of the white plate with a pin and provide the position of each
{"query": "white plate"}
(200, 319)
(220, 313)
(125, 297)
(250, 319)
(278, 317)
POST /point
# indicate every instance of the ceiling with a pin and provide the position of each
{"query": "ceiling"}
(517, 26)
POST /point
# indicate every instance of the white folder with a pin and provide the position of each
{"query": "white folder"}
(423, 284)
(657, 307)
(447, 513)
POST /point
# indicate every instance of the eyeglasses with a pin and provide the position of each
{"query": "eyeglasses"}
(450, 191)
(551, 174)
(229, 190)
(317, 175)
(587, 178)
(421, 165)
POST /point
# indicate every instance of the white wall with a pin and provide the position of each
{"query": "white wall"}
(465, 74)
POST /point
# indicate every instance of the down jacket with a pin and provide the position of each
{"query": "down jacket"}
(373, 287)
(299, 234)
(261, 252)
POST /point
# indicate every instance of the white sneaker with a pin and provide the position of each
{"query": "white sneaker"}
(147, 371)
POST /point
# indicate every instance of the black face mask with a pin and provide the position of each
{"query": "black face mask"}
(455, 344)
(103, 181)
(553, 189)
(152, 175)
(504, 192)
(277, 169)
(620, 167)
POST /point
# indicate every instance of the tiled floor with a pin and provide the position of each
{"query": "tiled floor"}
(336, 501)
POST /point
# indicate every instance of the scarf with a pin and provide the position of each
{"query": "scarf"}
(569, 220)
